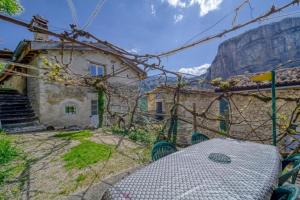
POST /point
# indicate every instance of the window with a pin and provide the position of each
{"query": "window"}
(94, 108)
(70, 109)
(97, 70)
(159, 111)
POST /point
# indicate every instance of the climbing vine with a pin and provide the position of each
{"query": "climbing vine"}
(101, 106)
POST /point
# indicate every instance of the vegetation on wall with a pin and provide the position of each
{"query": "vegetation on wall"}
(10, 7)
(101, 105)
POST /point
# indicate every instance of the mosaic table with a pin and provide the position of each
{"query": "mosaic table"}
(215, 169)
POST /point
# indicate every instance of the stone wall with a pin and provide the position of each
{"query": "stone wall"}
(15, 82)
(201, 99)
(249, 116)
(33, 87)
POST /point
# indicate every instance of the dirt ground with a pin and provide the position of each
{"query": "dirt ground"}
(46, 176)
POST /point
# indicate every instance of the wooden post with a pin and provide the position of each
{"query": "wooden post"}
(194, 118)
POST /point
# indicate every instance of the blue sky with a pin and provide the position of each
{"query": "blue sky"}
(145, 26)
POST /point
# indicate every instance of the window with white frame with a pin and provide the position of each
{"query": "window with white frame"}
(70, 109)
(96, 69)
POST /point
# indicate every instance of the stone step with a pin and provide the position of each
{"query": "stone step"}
(20, 125)
(13, 115)
(15, 110)
(8, 91)
(20, 103)
(14, 107)
(25, 129)
(13, 99)
(18, 120)
(12, 95)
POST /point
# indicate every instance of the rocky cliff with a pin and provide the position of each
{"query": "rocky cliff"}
(258, 50)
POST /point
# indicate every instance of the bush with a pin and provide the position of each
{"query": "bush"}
(140, 135)
(7, 151)
(118, 131)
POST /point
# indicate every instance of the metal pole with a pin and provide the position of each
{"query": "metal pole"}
(194, 118)
(274, 134)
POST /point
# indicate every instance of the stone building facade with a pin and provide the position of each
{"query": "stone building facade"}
(242, 111)
(62, 106)
(161, 99)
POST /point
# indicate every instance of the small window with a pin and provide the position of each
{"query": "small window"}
(94, 108)
(96, 70)
(70, 109)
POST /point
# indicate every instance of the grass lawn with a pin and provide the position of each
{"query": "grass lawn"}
(87, 153)
(74, 135)
(53, 165)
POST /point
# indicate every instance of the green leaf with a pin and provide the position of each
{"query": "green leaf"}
(10, 7)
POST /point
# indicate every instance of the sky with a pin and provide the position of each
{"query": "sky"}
(148, 26)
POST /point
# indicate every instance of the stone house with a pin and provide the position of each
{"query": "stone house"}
(160, 101)
(54, 104)
(241, 111)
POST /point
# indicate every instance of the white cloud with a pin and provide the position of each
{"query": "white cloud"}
(178, 18)
(176, 3)
(205, 6)
(133, 50)
(198, 71)
(153, 10)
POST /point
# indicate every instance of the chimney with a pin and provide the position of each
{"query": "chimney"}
(40, 22)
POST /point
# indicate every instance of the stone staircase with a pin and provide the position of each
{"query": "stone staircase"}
(16, 114)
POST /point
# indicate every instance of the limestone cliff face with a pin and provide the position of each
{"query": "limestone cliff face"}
(258, 50)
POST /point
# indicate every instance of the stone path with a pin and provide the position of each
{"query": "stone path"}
(47, 178)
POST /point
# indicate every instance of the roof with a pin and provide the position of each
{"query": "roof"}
(57, 45)
(6, 54)
(186, 90)
(284, 77)
(27, 49)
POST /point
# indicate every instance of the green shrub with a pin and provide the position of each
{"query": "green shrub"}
(7, 151)
(118, 131)
(140, 135)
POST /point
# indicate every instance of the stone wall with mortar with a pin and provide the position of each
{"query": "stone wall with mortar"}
(250, 117)
(15, 82)
(202, 100)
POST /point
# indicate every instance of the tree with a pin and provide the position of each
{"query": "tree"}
(10, 7)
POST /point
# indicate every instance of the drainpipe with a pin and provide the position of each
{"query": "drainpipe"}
(274, 107)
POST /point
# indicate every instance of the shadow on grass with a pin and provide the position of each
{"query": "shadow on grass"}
(74, 135)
